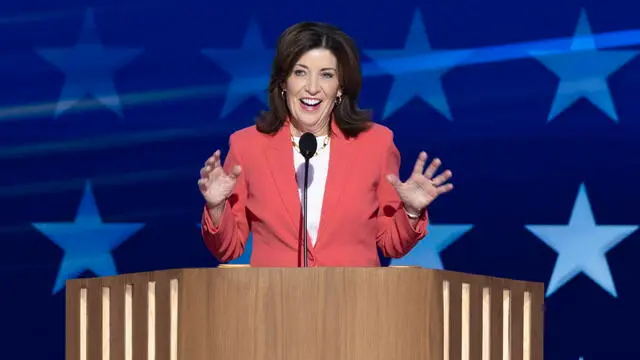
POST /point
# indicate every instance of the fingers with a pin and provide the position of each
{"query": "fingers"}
(444, 188)
(202, 184)
(204, 172)
(214, 160)
(432, 168)
(211, 164)
(442, 178)
(419, 165)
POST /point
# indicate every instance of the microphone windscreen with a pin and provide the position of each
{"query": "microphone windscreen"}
(308, 145)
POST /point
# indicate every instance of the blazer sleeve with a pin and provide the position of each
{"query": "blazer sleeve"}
(395, 237)
(227, 241)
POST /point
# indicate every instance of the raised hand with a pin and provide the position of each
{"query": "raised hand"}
(422, 188)
(215, 184)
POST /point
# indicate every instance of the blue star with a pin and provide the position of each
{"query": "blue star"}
(581, 246)
(87, 242)
(427, 253)
(583, 71)
(247, 67)
(89, 68)
(426, 83)
(245, 258)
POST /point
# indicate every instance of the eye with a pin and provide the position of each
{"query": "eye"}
(298, 72)
(327, 75)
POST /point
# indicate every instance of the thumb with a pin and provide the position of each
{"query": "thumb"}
(393, 180)
(235, 171)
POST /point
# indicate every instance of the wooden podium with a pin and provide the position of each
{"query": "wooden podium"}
(402, 313)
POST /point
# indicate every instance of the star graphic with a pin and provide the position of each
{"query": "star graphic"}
(583, 71)
(89, 68)
(581, 246)
(427, 253)
(424, 83)
(245, 258)
(87, 242)
(247, 67)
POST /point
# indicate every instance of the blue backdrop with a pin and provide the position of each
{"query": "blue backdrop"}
(108, 109)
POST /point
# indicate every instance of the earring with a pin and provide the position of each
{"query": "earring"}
(338, 99)
(282, 92)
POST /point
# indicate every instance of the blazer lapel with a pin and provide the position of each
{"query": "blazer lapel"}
(279, 154)
(341, 157)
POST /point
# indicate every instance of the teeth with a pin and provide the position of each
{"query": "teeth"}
(310, 102)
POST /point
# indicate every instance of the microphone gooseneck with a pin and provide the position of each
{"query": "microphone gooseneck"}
(308, 146)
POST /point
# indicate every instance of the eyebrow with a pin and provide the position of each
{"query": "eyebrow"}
(323, 69)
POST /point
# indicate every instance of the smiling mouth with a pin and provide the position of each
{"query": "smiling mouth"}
(310, 102)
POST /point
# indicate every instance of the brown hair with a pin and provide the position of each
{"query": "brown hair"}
(295, 42)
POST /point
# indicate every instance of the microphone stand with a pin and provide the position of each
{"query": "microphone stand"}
(304, 214)
(308, 146)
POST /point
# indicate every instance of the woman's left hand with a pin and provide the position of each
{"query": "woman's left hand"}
(421, 188)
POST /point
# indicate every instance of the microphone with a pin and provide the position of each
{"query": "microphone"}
(308, 146)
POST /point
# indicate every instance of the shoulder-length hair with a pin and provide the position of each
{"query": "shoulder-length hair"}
(295, 42)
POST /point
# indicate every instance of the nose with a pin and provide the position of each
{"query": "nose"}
(312, 86)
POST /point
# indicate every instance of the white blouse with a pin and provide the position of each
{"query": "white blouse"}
(317, 178)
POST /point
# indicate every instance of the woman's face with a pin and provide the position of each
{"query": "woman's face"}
(312, 89)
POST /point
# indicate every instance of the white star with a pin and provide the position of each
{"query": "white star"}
(581, 246)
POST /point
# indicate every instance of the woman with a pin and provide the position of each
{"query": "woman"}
(356, 203)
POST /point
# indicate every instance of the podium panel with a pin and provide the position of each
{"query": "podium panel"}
(304, 314)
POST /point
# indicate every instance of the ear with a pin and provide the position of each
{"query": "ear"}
(339, 92)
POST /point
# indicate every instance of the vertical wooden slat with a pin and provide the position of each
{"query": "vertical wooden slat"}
(517, 302)
(94, 320)
(128, 320)
(140, 291)
(163, 318)
(506, 323)
(486, 322)
(83, 331)
(526, 326)
(475, 321)
(72, 304)
(537, 322)
(151, 320)
(175, 330)
(446, 319)
(465, 322)
(116, 293)
(496, 319)
(106, 323)
(455, 318)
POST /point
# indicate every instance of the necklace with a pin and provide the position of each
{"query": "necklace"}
(322, 147)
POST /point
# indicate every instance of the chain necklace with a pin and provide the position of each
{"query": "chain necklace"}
(322, 147)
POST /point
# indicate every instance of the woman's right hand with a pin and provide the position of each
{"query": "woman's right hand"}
(215, 184)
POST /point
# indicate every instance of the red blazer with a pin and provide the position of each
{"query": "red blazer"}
(361, 211)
